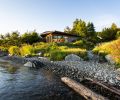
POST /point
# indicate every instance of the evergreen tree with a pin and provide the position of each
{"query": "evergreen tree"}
(67, 30)
(114, 26)
(7, 36)
(90, 30)
(2, 37)
(107, 34)
(34, 37)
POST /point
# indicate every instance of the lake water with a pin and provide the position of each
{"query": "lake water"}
(33, 84)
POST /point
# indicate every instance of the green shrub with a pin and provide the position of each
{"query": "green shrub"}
(63, 47)
(51, 47)
(118, 34)
(78, 51)
(89, 45)
(79, 43)
(45, 47)
(4, 49)
(70, 45)
(46, 54)
(58, 55)
(83, 44)
(14, 50)
(61, 54)
(107, 34)
(39, 46)
(27, 50)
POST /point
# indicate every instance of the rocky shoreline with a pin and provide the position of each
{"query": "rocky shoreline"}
(77, 70)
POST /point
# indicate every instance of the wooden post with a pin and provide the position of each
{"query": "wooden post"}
(82, 90)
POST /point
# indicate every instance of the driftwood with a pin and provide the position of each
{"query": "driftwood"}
(82, 90)
(110, 88)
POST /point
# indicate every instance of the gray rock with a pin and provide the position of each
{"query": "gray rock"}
(75, 69)
(73, 57)
(109, 59)
(92, 56)
(43, 58)
(29, 64)
(101, 71)
(118, 70)
(39, 53)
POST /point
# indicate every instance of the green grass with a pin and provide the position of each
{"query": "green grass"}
(56, 51)
(63, 51)
(112, 48)
(53, 51)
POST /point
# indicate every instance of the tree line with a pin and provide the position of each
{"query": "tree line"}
(14, 38)
(87, 31)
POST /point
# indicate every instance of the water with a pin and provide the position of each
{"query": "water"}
(33, 84)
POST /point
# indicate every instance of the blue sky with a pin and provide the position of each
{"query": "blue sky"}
(47, 15)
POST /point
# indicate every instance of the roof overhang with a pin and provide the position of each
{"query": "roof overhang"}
(44, 34)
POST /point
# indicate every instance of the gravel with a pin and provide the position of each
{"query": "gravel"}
(76, 70)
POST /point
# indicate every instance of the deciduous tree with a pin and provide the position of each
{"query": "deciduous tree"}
(79, 27)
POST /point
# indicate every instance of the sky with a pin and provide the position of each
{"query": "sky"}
(50, 15)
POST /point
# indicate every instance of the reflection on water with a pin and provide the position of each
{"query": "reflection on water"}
(11, 69)
(31, 84)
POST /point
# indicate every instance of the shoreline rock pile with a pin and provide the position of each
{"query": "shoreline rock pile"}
(103, 72)
(76, 69)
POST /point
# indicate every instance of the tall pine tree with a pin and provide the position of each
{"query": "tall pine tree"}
(90, 31)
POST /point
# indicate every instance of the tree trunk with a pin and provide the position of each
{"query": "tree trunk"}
(110, 88)
(82, 90)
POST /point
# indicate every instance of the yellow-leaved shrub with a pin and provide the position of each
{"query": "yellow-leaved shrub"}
(27, 50)
(112, 48)
(14, 50)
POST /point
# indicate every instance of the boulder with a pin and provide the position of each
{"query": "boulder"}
(118, 69)
(92, 57)
(73, 57)
(30, 64)
(109, 59)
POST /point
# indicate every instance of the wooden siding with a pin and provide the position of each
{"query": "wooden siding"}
(59, 38)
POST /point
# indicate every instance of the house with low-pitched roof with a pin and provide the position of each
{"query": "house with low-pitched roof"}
(57, 36)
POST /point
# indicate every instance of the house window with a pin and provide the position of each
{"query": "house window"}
(60, 37)
(55, 37)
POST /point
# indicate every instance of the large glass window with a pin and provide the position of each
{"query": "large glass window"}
(57, 37)
(60, 37)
